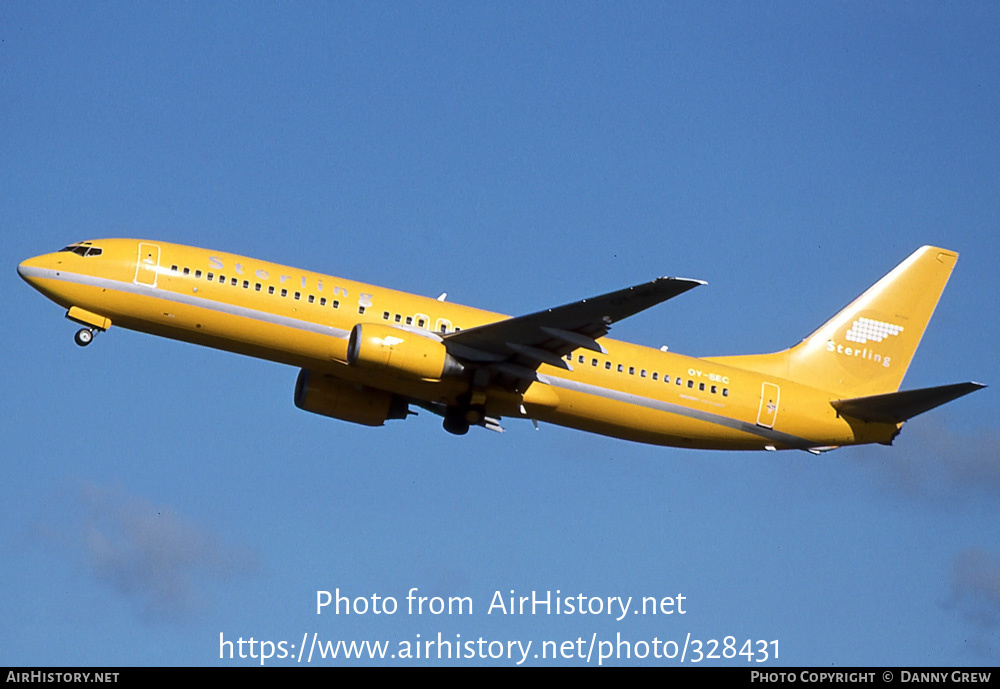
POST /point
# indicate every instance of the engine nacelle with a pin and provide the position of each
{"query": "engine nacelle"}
(337, 399)
(406, 353)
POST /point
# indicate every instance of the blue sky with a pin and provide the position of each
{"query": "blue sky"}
(517, 156)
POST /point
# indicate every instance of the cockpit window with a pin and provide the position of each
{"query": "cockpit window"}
(83, 249)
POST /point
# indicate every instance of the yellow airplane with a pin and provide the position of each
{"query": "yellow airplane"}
(367, 354)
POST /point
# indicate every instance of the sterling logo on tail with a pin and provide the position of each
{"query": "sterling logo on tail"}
(865, 330)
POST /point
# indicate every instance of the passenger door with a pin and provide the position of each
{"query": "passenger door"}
(147, 265)
(768, 410)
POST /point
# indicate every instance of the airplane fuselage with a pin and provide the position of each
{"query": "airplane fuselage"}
(305, 319)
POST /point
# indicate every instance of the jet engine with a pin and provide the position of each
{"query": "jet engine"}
(329, 396)
(406, 353)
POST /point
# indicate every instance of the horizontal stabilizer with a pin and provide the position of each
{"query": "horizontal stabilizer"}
(896, 407)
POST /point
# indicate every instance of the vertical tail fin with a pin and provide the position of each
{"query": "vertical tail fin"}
(867, 347)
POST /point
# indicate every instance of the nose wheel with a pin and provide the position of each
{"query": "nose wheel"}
(84, 336)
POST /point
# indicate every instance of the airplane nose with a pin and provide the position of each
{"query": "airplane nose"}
(23, 268)
(29, 268)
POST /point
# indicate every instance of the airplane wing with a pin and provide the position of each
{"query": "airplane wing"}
(517, 346)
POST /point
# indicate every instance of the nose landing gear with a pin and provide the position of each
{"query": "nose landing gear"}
(92, 324)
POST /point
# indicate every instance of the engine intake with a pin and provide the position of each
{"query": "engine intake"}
(406, 353)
